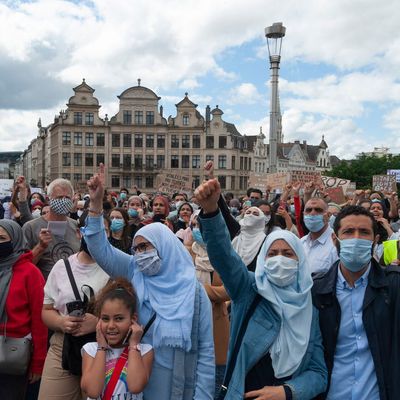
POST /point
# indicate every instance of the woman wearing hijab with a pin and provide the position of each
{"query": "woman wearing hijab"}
(251, 237)
(279, 354)
(21, 300)
(163, 275)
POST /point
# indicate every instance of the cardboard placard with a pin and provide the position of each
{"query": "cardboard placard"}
(306, 176)
(384, 183)
(336, 195)
(351, 188)
(395, 172)
(170, 183)
(277, 180)
(6, 187)
(332, 182)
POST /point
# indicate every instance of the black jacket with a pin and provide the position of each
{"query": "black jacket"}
(381, 318)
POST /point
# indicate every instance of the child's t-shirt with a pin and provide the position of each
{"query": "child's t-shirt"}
(121, 388)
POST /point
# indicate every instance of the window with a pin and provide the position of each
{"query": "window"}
(89, 139)
(241, 185)
(160, 161)
(89, 118)
(126, 161)
(149, 162)
(78, 138)
(66, 159)
(196, 161)
(138, 140)
(222, 162)
(126, 181)
(127, 140)
(241, 164)
(196, 181)
(185, 141)
(115, 160)
(222, 181)
(174, 141)
(185, 119)
(138, 181)
(185, 161)
(66, 138)
(66, 176)
(99, 159)
(249, 164)
(209, 157)
(115, 181)
(77, 118)
(209, 142)
(222, 142)
(233, 182)
(77, 177)
(150, 140)
(100, 141)
(139, 117)
(77, 159)
(245, 163)
(160, 141)
(89, 159)
(174, 161)
(149, 118)
(138, 162)
(196, 141)
(127, 115)
(149, 181)
(116, 140)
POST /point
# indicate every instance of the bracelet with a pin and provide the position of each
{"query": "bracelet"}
(95, 211)
(135, 347)
(102, 348)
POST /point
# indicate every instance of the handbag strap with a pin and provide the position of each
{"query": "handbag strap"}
(72, 279)
(232, 362)
(123, 358)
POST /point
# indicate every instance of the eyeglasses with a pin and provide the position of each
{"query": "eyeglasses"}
(141, 247)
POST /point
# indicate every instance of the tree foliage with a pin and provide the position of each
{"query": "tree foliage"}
(363, 168)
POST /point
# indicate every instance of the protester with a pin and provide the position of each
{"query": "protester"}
(318, 245)
(116, 309)
(185, 211)
(120, 230)
(21, 299)
(136, 209)
(57, 383)
(359, 304)
(48, 248)
(163, 275)
(160, 208)
(286, 356)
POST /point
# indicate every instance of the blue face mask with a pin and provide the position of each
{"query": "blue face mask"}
(117, 225)
(355, 253)
(234, 211)
(122, 196)
(133, 213)
(197, 236)
(332, 220)
(314, 223)
(148, 262)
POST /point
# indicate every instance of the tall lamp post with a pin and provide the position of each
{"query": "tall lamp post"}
(274, 35)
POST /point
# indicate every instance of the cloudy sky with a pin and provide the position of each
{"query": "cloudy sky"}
(340, 67)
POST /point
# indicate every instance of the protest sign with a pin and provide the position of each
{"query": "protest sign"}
(306, 176)
(384, 183)
(331, 182)
(6, 187)
(351, 188)
(170, 183)
(276, 180)
(395, 172)
(336, 194)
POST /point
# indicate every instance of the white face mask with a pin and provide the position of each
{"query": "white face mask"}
(281, 270)
(79, 212)
(36, 213)
(267, 218)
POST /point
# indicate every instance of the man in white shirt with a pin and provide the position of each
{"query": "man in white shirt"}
(318, 244)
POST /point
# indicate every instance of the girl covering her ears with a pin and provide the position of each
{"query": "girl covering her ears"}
(118, 336)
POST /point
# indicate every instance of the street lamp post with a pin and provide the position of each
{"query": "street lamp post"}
(274, 35)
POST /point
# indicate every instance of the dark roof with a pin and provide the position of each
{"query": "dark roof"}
(8, 156)
(334, 160)
(231, 128)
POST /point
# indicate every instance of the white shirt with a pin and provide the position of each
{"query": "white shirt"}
(321, 252)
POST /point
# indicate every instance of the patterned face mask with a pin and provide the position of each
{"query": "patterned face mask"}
(61, 206)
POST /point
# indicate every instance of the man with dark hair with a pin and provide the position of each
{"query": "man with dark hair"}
(359, 314)
(254, 194)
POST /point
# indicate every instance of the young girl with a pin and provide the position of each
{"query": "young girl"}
(118, 333)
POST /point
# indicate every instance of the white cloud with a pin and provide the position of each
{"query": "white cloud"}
(245, 93)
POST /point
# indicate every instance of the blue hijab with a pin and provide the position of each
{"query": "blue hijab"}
(172, 291)
(293, 303)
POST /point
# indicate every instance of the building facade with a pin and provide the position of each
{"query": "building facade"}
(139, 144)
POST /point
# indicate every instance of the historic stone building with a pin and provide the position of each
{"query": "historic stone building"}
(138, 144)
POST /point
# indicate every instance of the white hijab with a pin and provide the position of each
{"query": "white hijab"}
(251, 236)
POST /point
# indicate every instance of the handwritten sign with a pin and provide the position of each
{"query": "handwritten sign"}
(384, 183)
(306, 176)
(277, 180)
(395, 172)
(351, 188)
(170, 183)
(331, 182)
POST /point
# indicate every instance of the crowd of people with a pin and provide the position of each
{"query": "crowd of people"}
(132, 295)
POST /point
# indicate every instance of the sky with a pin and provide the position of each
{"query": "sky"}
(339, 75)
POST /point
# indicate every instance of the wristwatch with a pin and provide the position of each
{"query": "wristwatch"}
(135, 347)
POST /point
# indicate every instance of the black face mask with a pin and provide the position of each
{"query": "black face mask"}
(84, 247)
(6, 249)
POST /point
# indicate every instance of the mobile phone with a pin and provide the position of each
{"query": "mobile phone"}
(247, 203)
(127, 337)
(75, 308)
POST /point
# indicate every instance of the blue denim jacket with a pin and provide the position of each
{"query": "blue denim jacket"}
(311, 377)
(176, 374)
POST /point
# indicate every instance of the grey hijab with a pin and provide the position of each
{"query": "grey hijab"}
(6, 264)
